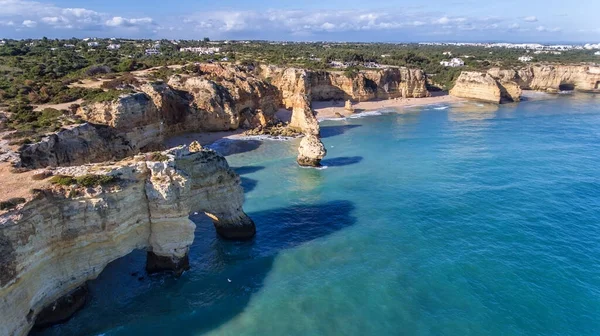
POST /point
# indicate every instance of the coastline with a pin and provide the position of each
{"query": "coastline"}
(323, 110)
(329, 109)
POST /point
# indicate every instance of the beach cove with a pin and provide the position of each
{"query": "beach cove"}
(437, 220)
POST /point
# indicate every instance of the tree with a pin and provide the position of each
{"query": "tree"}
(206, 39)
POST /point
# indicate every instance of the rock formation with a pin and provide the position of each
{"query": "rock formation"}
(362, 86)
(214, 97)
(296, 92)
(348, 106)
(66, 235)
(541, 77)
(554, 78)
(311, 151)
(485, 87)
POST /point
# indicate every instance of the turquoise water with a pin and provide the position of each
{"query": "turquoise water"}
(464, 219)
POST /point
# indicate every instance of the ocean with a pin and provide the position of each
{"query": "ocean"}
(459, 219)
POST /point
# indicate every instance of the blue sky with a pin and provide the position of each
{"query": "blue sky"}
(307, 20)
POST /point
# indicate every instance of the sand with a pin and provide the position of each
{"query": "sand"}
(63, 106)
(328, 109)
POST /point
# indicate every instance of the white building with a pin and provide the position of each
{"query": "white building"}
(455, 62)
(201, 50)
(447, 53)
(93, 44)
(597, 53)
(525, 58)
(2, 43)
(152, 51)
(113, 46)
(69, 45)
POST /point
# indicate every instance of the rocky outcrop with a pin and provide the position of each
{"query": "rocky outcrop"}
(485, 87)
(215, 97)
(86, 143)
(50, 246)
(509, 84)
(554, 78)
(296, 92)
(311, 151)
(360, 86)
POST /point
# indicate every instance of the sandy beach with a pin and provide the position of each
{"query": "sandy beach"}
(323, 109)
(328, 109)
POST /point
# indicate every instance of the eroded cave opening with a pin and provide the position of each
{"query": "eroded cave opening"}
(597, 86)
(566, 87)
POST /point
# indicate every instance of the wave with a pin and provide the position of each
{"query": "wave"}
(365, 114)
(331, 118)
(317, 168)
(441, 107)
(263, 137)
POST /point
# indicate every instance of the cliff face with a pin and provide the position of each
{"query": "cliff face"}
(216, 98)
(335, 85)
(67, 235)
(540, 77)
(296, 91)
(553, 78)
(489, 87)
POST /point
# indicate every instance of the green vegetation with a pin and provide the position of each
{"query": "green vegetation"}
(158, 156)
(87, 181)
(11, 203)
(34, 72)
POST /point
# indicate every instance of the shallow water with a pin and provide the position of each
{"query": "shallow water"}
(467, 220)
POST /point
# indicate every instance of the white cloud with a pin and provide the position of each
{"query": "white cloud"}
(118, 21)
(29, 24)
(514, 26)
(549, 30)
(530, 19)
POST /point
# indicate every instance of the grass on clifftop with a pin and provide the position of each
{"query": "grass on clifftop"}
(87, 181)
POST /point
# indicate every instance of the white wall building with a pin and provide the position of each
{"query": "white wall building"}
(201, 50)
(113, 47)
(93, 44)
(525, 58)
(455, 62)
(597, 53)
(152, 51)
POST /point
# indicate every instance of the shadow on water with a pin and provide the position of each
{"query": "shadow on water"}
(342, 161)
(228, 147)
(247, 169)
(248, 184)
(334, 130)
(126, 301)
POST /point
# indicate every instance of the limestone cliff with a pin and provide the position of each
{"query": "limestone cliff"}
(213, 97)
(541, 77)
(553, 78)
(485, 87)
(361, 86)
(296, 93)
(50, 246)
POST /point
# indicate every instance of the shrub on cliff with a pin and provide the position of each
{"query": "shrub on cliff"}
(87, 181)
(123, 81)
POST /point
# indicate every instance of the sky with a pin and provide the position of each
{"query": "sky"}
(543, 21)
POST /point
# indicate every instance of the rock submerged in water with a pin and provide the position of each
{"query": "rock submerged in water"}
(311, 151)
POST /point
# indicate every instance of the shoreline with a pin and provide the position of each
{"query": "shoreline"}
(323, 110)
(329, 109)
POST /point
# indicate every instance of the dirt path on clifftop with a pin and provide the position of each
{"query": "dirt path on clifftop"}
(17, 185)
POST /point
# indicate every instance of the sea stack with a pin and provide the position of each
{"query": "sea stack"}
(348, 107)
(311, 151)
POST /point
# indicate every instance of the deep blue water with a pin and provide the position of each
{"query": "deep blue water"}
(468, 219)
